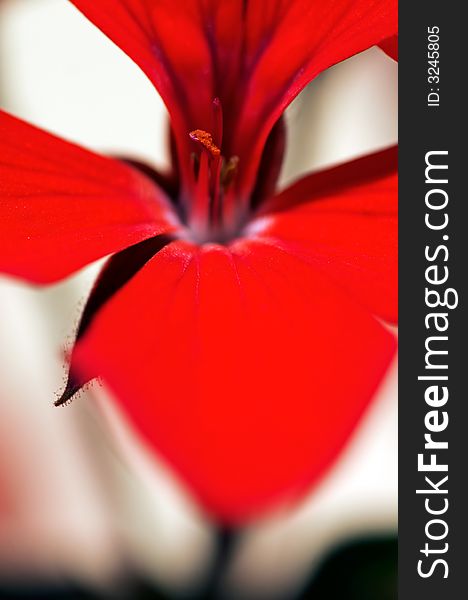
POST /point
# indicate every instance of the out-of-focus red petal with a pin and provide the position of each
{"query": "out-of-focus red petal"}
(254, 55)
(289, 42)
(390, 47)
(344, 221)
(244, 367)
(61, 206)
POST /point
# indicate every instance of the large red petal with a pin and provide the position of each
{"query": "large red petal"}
(344, 221)
(256, 56)
(243, 366)
(61, 207)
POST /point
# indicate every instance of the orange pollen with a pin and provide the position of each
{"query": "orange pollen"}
(206, 139)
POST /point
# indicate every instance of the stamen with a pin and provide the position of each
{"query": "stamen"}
(218, 122)
(229, 171)
(201, 205)
(206, 140)
(216, 208)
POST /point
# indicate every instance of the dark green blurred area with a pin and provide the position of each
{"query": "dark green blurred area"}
(364, 569)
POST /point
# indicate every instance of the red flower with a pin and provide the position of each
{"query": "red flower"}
(235, 327)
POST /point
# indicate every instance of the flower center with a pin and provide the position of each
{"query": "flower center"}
(213, 214)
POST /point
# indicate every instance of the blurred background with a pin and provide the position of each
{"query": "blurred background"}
(84, 512)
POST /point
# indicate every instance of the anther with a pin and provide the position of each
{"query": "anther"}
(206, 140)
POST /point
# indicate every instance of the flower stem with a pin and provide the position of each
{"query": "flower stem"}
(226, 544)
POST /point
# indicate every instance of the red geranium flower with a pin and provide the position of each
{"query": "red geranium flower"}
(235, 327)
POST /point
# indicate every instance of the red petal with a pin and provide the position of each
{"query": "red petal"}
(63, 207)
(255, 56)
(291, 41)
(390, 47)
(244, 367)
(344, 222)
(181, 46)
(185, 48)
